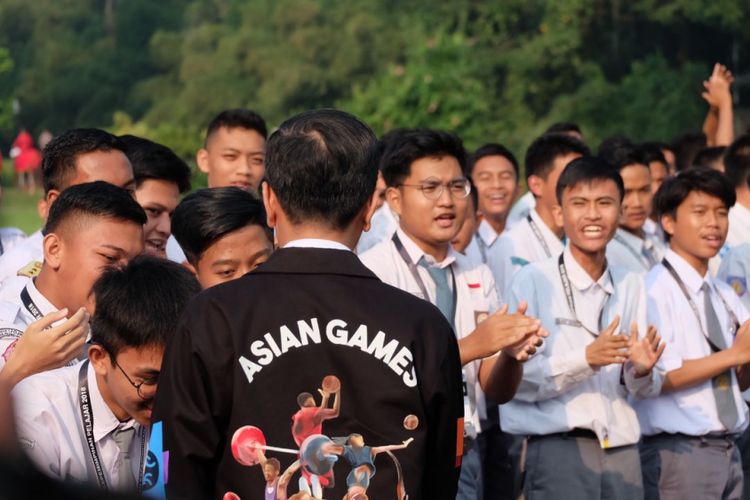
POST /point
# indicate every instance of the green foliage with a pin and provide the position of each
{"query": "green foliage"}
(490, 71)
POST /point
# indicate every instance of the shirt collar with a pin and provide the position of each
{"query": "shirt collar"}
(104, 420)
(40, 301)
(581, 279)
(547, 233)
(415, 253)
(686, 272)
(635, 242)
(487, 233)
(317, 243)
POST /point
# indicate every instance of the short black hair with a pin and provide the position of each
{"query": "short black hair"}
(653, 152)
(237, 118)
(740, 146)
(494, 149)
(540, 157)
(587, 169)
(563, 128)
(97, 199)
(620, 152)
(737, 161)
(402, 147)
(321, 166)
(139, 305)
(685, 147)
(60, 154)
(151, 160)
(706, 180)
(706, 156)
(207, 215)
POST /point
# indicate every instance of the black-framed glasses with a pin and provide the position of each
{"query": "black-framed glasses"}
(146, 388)
(433, 189)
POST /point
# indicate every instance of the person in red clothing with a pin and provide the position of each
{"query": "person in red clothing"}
(27, 158)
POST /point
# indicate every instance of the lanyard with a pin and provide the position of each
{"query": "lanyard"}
(87, 418)
(29, 304)
(575, 322)
(415, 273)
(694, 307)
(538, 233)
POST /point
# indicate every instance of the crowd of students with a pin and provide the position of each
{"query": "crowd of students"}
(588, 339)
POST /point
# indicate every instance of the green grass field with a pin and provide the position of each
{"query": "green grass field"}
(18, 209)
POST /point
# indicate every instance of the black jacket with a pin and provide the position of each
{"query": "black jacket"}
(246, 349)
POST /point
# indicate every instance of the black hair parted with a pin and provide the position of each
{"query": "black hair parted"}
(675, 190)
(322, 166)
(588, 169)
(207, 215)
(541, 155)
(237, 118)
(564, 128)
(94, 199)
(151, 160)
(620, 152)
(402, 147)
(139, 305)
(60, 155)
(494, 149)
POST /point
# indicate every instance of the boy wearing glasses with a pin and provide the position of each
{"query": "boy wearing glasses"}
(89, 422)
(425, 171)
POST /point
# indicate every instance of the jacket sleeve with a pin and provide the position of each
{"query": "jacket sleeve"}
(443, 392)
(194, 400)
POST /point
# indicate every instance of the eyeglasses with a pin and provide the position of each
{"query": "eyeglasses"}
(432, 188)
(145, 389)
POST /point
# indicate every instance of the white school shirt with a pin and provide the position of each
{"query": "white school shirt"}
(521, 208)
(476, 296)
(21, 255)
(382, 226)
(691, 411)
(735, 271)
(10, 237)
(560, 391)
(739, 225)
(519, 246)
(174, 250)
(51, 433)
(628, 251)
(655, 233)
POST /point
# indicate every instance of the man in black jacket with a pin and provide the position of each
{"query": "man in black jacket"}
(312, 316)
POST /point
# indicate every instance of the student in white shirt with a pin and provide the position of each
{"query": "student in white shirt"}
(428, 189)
(160, 177)
(90, 227)
(573, 399)
(137, 309)
(537, 237)
(737, 164)
(73, 157)
(688, 449)
(632, 247)
(382, 225)
(494, 172)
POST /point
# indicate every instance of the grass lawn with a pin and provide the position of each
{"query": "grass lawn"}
(18, 209)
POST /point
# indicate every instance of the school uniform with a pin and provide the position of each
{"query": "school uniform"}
(521, 208)
(739, 225)
(476, 297)
(23, 259)
(246, 349)
(735, 271)
(10, 237)
(382, 226)
(655, 233)
(688, 448)
(174, 251)
(582, 429)
(52, 431)
(633, 253)
(529, 240)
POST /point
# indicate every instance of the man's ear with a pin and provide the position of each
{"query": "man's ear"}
(201, 158)
(393, 198)
(99, 359)
(536, 185)
(45, 204)
(53, 250)
(369, 210)
(557, 213)
(271, 202)
(667, 223)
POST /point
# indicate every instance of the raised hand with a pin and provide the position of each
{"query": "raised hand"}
(644, 352)
(499, 332)
(717, 91)
(608, 348)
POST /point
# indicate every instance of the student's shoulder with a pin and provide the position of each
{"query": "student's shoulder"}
(657, 279)
(377, 253)
(626, 277)
(50, 387)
